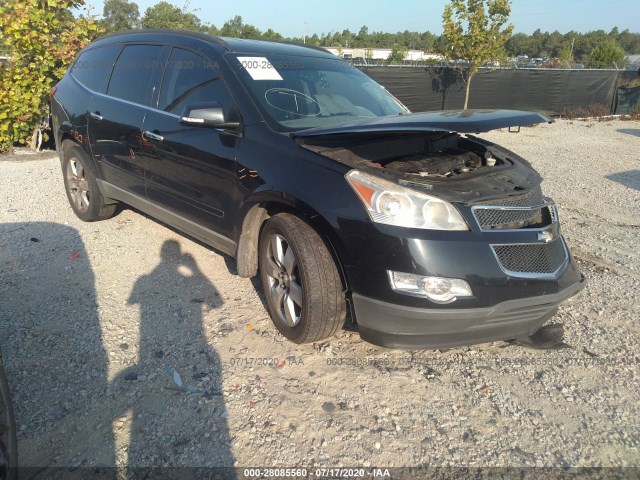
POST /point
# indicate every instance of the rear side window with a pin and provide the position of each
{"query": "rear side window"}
(132, 73)
(93, 66)
(190, 79)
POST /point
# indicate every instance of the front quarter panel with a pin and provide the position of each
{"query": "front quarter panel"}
(273, 169)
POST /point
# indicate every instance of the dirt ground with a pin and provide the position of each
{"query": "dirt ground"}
(126, 343)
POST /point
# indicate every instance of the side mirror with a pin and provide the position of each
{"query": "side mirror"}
(210, 115)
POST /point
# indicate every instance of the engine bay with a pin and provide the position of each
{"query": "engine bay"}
(423, 154)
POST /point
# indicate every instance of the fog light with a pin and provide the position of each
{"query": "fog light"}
(436, 289)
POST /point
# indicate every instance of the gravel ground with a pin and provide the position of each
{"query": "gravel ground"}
(100, 323)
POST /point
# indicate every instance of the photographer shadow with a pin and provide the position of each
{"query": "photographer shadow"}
(178, 376)
(56, 361)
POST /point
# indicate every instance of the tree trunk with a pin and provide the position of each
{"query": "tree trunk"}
(33, 144)
(466, 96)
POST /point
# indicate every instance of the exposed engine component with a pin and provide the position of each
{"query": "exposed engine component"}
(448, 162)
(440, 154)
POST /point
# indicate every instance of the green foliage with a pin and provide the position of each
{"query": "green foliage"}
(364, 39)
(236, 28)
(398, 54)
(565, 54)
(43, 38)
(272, 35)
(119, 15)
(557, 45)
(608, 54)
(165, 15)
(232, 27)
(474, 33)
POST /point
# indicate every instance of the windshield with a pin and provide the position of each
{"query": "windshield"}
(296, 92)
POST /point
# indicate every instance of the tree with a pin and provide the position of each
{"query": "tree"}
(165, 15)
(398, 54)
(474, 33)
(519, 44)
(232, 28)
(608, 54)
(120, 15)
(272, 35)
(43, 38)
(249, 31)
(565, 55)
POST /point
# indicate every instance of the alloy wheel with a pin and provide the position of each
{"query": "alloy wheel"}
(285, 286)
(78, 185)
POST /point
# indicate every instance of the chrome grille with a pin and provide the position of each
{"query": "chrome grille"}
(502, 218)
(535, 258)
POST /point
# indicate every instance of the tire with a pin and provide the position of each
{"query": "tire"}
(300, 280)
(82, 189)
(8, 442)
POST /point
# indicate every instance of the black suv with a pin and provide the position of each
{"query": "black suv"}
(307, 171)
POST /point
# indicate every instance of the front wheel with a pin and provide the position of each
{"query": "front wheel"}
(300, 280)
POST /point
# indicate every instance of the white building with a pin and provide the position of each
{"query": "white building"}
(381, 53)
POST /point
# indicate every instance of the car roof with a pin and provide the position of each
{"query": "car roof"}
(236, 45)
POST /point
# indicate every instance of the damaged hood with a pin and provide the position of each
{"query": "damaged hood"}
(461, 121)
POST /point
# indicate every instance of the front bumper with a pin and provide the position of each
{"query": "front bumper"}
(398, 326)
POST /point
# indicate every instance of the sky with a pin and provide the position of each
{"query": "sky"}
(288, 17)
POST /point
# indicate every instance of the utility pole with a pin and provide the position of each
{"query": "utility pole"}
(304, 39)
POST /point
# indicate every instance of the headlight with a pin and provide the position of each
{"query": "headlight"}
(392, 204)
(436, 289)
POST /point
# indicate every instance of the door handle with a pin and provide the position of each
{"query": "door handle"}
(153, 136)
(95, 115)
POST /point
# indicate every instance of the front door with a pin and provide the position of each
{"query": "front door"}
(190, 170)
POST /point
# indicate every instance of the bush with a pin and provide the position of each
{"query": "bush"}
(43, 38)
(597, 110)
(624, 83)
(632, 115)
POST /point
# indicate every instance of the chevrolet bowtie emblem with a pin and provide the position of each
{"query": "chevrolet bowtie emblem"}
(545, 237)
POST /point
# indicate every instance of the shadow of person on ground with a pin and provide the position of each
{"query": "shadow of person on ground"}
(630, 131)
(53, 348)
(630, 178)
(178, 376)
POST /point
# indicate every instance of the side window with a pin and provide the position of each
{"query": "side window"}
(132, 73)
(189, 79)
(93, 66)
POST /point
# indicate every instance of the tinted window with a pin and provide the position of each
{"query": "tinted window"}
(189, 79)
(296, 92)
(132, 73)
(93, 66)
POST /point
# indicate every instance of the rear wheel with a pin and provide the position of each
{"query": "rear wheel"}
(82, 189)
(300, 280)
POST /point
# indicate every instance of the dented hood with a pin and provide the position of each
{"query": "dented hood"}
(461, 121)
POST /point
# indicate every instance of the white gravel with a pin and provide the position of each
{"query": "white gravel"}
(93, 323)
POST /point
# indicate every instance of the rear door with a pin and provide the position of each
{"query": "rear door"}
(191, 170)
(116, 117)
